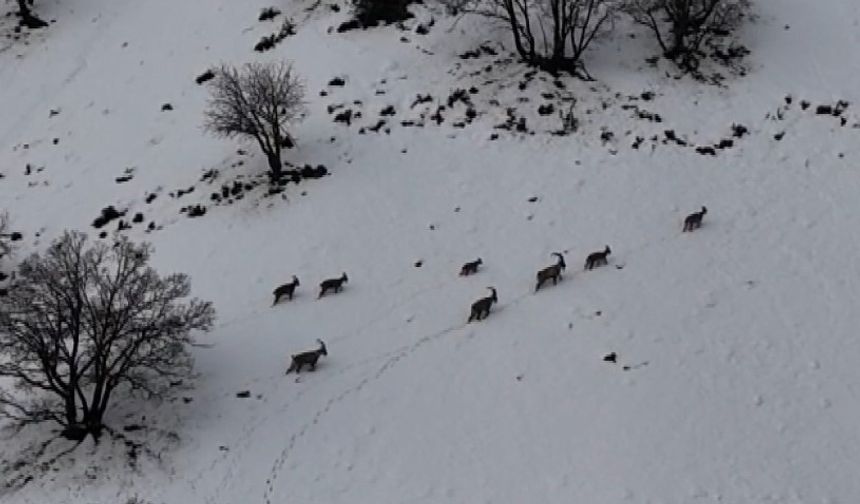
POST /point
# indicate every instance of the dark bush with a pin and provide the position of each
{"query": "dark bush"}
(269, 13)
(310, 172)
(108, 214)
(205, 76)
(739, 130)
(372, 12)
(288, 28)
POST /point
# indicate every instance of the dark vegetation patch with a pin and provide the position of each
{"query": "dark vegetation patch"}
(640, 113)
(268, 42)
(108, 214)
(419, 99)
(193, 210)
(546, 109)
(181, 192)
(482, 50)
(205, 76)
(670, 136)
(345, 117)
(371, 13)
(127, 175)
(459, 96)
(375, 128)
(739, 130)
(269, 13)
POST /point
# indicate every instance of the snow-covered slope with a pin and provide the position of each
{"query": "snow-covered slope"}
(736, 378)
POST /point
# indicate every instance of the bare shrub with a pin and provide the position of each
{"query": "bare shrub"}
(550, 34)
(259, 101)
(684, 27)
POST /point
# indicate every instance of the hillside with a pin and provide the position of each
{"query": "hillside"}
(737, 377)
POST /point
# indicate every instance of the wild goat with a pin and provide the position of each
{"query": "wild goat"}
(470, 267)
(481, 307)
(310, 358)
(286, 290)
(597, 258)
(694, 220)
(551, 272)
(334, 284)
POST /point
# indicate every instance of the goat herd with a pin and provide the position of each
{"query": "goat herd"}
(480, 308)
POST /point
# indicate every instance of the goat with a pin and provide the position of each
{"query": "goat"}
(481, 307)
(310, 358)
(286, 290)
(470, 267)
(597, 258)
(694, 220)
(334, 284)
(551, 272)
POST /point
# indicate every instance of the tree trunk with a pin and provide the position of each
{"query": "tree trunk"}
(680, 26)
(678, 46)
(24, 9)
(275, 166)
(515, 30)
(27, 17)
(71, 410)
(76, 432)
(94, 424)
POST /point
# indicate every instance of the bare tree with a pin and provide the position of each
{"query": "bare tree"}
(683, 26)
(82, 323)
(259, 102)
(550, 34)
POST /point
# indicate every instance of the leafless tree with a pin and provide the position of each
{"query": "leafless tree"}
(259, 102)
(82, 324)
(550, 34)
(683, 26)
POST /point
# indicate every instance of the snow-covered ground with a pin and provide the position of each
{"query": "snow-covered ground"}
(737, 377)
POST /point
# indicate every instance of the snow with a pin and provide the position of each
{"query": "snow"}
(739, 339)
